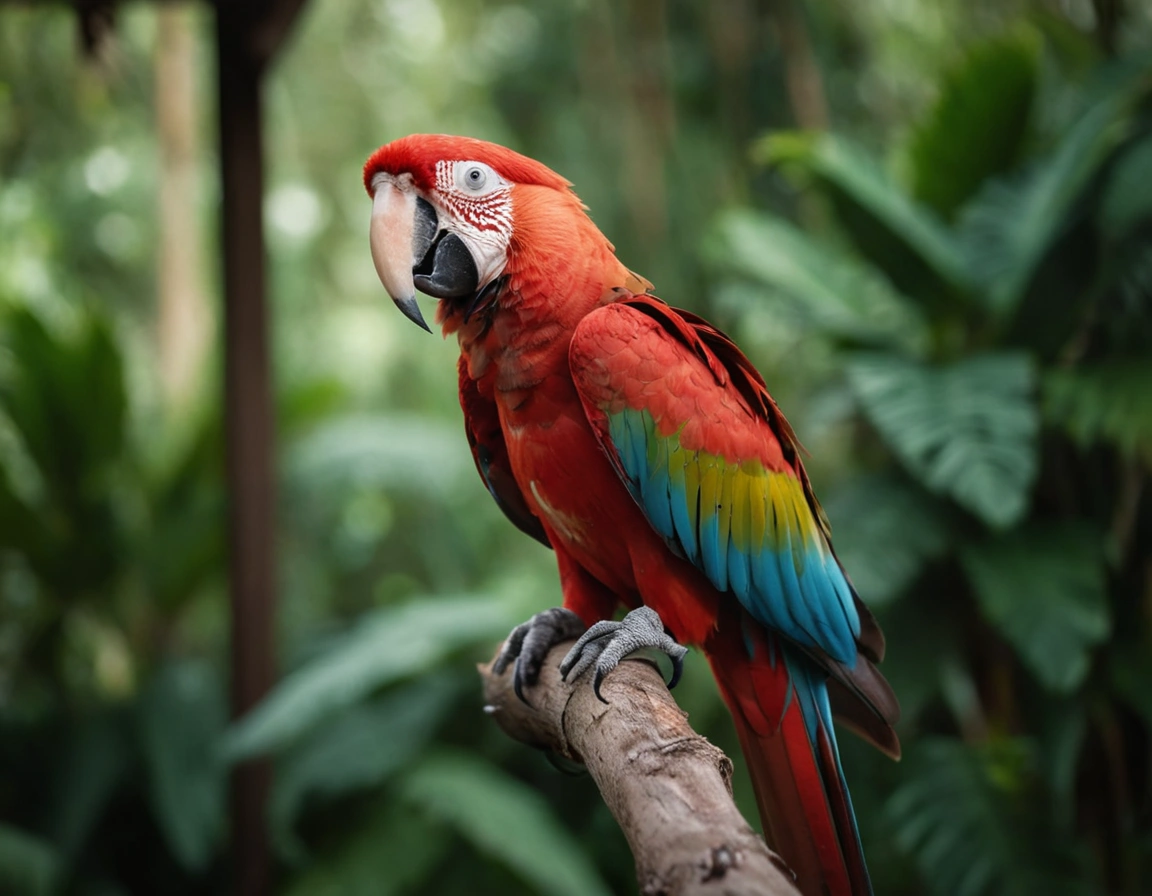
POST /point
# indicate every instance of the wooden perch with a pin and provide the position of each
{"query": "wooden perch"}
(668, 787)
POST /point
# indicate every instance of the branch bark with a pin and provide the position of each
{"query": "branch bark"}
(668, 787)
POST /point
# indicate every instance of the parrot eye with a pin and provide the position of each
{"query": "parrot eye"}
(475, 177)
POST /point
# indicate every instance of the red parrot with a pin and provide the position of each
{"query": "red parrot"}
(639, 443)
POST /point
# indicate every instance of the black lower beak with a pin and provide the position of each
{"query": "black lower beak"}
(448, 270)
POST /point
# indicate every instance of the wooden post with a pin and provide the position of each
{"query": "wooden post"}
(249, 424)
(248, 35)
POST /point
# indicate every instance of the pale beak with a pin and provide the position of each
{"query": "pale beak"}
(400, 236)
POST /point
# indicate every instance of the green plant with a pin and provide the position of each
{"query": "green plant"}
(988, 313)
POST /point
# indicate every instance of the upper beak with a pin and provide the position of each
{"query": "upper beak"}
(401, 233)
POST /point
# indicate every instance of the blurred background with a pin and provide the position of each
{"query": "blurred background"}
(928, 223)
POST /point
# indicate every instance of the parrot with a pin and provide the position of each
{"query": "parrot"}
(639, 443)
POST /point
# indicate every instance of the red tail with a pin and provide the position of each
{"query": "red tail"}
(779, 700)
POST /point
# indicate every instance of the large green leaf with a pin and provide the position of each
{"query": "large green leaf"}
(1063, 732)
(180, 719)
(1126, 202)
(967, 429)
(951, 816)
(1013, 223)
(65, 394)
(977, 125)
(1110, 401)
(1131, 672)
(972, 819)
(29, 866)
(389, 854)
(1043, 588)
(835, 293)
(89, 769)
(893, 231)
(360, 748)
(505, 819)
(885, 529)
(385, 646)
(400, 452)
(21, 528)
(62, 392)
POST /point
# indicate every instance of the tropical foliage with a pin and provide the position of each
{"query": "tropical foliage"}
(992, 376)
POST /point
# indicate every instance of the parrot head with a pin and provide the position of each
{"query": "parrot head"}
(443, 214)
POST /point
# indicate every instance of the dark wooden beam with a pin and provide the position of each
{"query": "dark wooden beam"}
(248, 35)
(249, 427)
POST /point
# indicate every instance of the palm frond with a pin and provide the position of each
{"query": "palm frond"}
(505, 819)
(888, 226)
(1043, 588)
(967, 430)
(834, 293)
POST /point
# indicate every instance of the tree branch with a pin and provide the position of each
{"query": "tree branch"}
(668, 787)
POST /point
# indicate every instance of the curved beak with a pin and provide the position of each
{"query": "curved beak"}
(400, 235)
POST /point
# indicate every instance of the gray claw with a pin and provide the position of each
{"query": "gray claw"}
(606, 643)
(529, 643)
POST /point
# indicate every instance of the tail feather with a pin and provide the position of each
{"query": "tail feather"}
(779, 700)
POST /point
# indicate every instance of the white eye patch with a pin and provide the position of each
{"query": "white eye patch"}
(476, 178)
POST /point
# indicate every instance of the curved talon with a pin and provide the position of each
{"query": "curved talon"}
(511, 648)
(677, 668)
(528, 644)
(597, 680)
(518, 676)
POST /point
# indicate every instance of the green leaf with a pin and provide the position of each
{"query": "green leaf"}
(388, 855)
(89, 770)
(834, 292)
(1130, 664)
(967, 430)
(1064, 730)
(886, 224)
(1043, 588)
(921, 668)
(21, 528)
(1110, 401)
(65, 395)
(360, 748)
(180, 719)
(385, 646)
(972, 819)
(885, 529)
(1126, 203)
(505, 819)
(950, 815)
(29, 866)
(408, 453)
(977, 126)
(1012, 224)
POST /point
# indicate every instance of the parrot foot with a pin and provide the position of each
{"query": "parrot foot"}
(529, 643)
(606, 643)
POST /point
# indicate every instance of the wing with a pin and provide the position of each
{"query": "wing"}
(486, 438)
(691, 429)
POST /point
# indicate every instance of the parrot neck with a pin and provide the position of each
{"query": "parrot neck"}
(560, 268)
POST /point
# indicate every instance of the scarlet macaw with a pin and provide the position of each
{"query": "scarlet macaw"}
(640, 444)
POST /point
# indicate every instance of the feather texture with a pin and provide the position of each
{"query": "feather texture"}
(692, 432)
(728, 497)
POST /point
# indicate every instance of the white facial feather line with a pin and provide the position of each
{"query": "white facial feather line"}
(483, 220)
